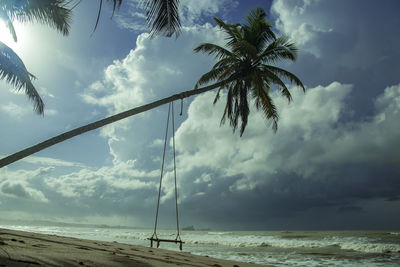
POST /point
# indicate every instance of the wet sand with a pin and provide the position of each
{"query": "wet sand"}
(19, 248)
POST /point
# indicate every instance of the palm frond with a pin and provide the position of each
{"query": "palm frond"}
(280, 49)
(116, 5)
(223, 118)
(235, 38)
(213, 49)
(11, 28)
(227, 62)
(237, 106)
(285, 74)
(222, 70)
(270, 76)
(163, 17)
(98, 16)
(73, 3)
(245, 48)
(217, 95)
(50, 12)
(227, 27)
(265, 103)
(258, 29)
(257, 85)
(256, 15)
(230, 105)
(233, 33)
(228, 74)
(243, 108)
(13, 70)
(212, 75)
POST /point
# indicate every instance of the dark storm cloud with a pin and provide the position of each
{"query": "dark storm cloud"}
(353, 42)
(283, 197)
(316, 164)
(16, 190)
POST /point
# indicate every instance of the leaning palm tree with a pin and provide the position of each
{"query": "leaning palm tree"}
(244, 69)
(49, 12)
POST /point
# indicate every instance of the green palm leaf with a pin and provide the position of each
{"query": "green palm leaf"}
(212, 75)
(268, 108)
(232, 31)
(285, 74)
(262, 99)
(246, 48)
(211, 49)
(271, 77)
(163, 17)
(257, 29)
(280, 49)
(49, 12)
(11, 28)
(13, 70)
(116, 5)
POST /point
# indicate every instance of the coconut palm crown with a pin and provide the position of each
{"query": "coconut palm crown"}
(246, 68)
(49, 12)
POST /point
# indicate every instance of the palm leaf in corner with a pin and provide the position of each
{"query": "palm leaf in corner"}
(13, 70)
(163, 17)
(53, 13)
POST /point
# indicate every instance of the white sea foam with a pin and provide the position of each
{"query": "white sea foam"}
(361, 244)
(372, 248)
(230, 239)
(219, 233)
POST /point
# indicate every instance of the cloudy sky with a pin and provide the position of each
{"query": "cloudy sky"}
(333, 164)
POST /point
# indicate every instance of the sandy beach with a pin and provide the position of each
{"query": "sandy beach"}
(19, 248)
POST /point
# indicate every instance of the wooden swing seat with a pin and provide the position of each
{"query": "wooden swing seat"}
(158, 240)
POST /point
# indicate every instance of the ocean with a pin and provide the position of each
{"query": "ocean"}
(278, 248)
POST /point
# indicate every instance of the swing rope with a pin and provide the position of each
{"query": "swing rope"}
(154, 236)
(176, 188)
(161, 176)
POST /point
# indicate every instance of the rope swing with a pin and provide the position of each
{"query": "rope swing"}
(154, 237)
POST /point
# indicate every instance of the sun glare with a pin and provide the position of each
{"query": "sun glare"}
(34, 42)
(7, 38)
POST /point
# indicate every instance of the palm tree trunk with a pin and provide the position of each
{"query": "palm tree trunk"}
(100, 123)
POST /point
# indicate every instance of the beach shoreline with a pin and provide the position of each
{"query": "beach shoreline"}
(19, 248)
